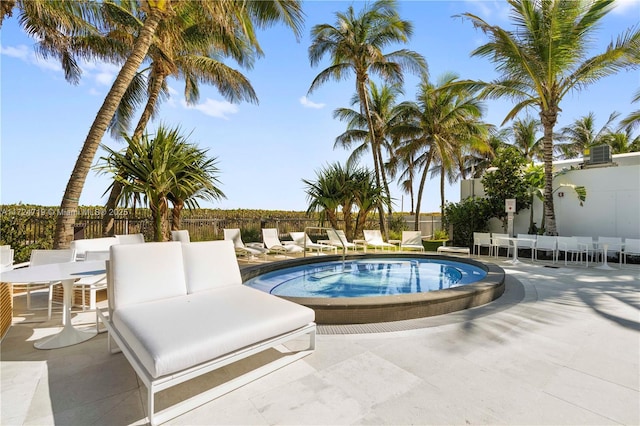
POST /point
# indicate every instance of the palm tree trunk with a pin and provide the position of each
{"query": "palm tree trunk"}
(442, 172)
(548, 117)
(176, 216)
(364, 102)
(116, 189)
(71, 198)
(423, 179)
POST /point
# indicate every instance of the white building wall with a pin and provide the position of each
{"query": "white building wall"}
(612, 207)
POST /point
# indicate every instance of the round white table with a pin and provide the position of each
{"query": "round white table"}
(605, 265)
(514, 241)
(67, 273)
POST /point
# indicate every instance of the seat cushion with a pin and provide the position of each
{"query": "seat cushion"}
(173, 334)
(209, 265)
(145, 272)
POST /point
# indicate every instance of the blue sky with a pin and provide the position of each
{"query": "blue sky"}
(264, 151)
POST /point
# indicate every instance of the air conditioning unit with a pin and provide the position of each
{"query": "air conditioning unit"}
(600, 154)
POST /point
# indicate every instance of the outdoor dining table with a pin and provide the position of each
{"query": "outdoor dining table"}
(514, 241)
(67, 273)
(605, 265)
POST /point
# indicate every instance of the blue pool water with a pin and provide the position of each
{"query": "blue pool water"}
(367, 277)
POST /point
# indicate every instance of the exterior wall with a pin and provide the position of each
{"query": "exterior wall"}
(612, 207)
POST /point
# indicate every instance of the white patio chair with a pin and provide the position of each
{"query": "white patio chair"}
(272, 241)
(589, 245)
(547, 243)
(181, 235)
(499, 241)
(570, 246)
(44, 257)
(373, 238)
(527, 241)
(631, 247)
(302, 239)
(92, 244)
(130, 238)
(92, 283)
(250, 250)
(481, 239)
(411, 240)
(6, 258)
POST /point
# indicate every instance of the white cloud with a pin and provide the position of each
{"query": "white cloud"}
(309, 104)
(27, 55)
(213, 108)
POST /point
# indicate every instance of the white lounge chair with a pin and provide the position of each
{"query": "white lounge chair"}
(271, 241)
(180, 310)
(250, 250)
(338, 239)
(411, 240)
(302, 239)
(181, 235)
(373, 238)
(481, 239)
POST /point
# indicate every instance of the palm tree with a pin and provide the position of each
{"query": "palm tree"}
(386, 120)
(342, 188)
(162, 170)
(355, 44)
(524, 132)
(226, 15)
(633, 119)
(582, 135)
(446, 120)
(69, 205)
(182, 49)
(544, 58)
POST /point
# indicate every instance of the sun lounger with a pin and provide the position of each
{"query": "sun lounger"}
(180, 310)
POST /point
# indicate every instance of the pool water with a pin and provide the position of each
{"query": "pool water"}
(367, 278)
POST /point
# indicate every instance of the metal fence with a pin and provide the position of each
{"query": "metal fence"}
(34, 226)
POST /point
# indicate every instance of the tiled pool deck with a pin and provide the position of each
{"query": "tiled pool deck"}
(562, 346)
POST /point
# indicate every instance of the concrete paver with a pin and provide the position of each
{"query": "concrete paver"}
(562, 346)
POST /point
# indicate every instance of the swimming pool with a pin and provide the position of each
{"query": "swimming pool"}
(379, 288)
(367, 278)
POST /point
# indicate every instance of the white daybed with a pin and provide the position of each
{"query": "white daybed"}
(179, 310)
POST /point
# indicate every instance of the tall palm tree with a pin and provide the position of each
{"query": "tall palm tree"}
(582, 134)
(633, 119)
(446, 120)
(69, 205)
(386, 120)
(160, 170)
(183, 48)
(226, 15)
(545, 58)
(355, 44)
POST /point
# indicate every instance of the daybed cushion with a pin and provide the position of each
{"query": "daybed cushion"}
(209, 265)
(173, 334)
(145, 272)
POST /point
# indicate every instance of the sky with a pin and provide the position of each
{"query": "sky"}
(263, 151)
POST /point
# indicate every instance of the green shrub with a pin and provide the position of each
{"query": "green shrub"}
(466, 217)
